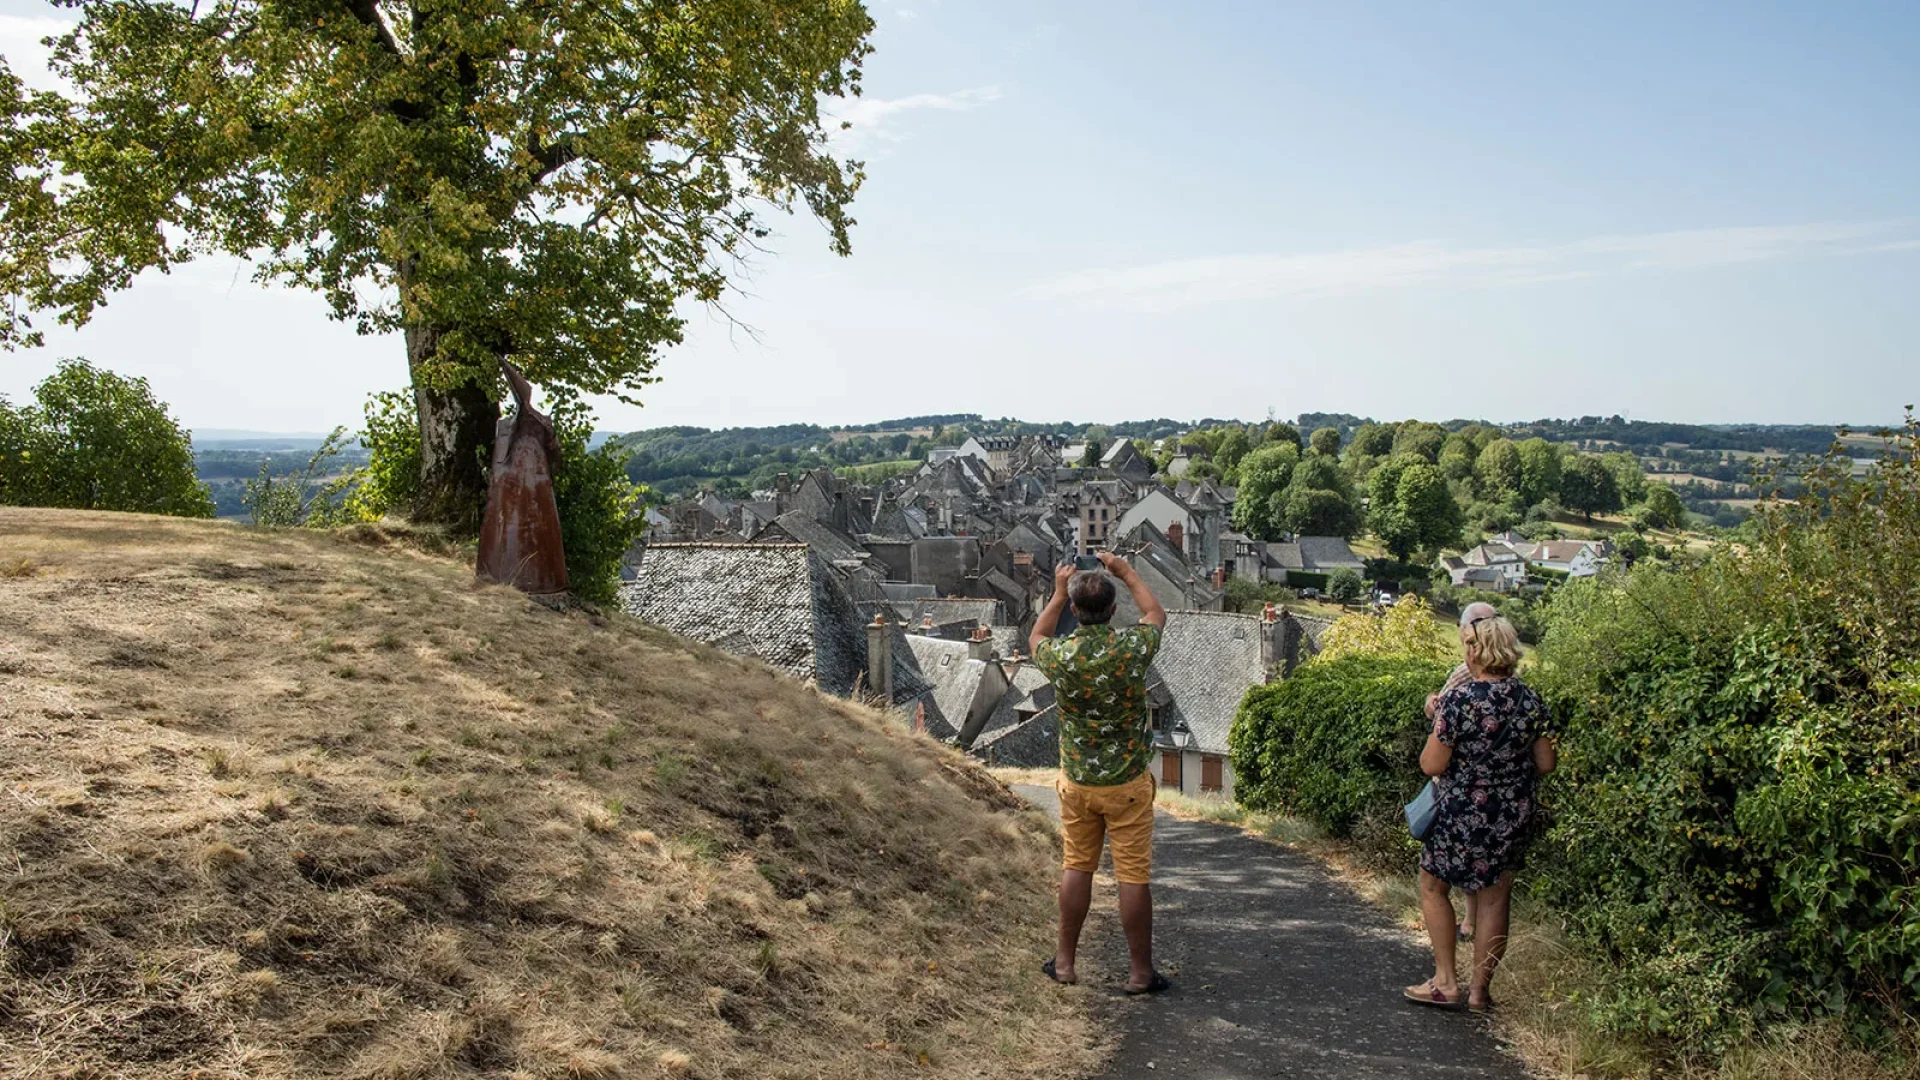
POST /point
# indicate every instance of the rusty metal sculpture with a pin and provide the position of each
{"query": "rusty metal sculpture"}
(520, 534)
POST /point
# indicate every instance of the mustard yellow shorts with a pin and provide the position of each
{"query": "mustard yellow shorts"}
(1088, 815)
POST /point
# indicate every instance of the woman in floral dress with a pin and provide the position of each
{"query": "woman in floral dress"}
(1487, 750)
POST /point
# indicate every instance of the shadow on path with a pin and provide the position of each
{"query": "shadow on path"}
(1279, 971)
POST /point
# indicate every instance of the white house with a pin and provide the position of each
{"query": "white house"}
(1574, 558)
(1510, 563)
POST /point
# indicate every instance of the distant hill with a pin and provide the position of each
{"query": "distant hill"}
(292, 804)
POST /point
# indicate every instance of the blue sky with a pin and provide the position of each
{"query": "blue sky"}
(1103, 211)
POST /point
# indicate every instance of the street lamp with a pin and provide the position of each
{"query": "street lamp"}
(1182, 736)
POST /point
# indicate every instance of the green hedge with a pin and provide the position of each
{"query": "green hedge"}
(1336, 741)
(1307, 579)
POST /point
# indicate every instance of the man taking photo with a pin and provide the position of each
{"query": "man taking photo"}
(1106, 790)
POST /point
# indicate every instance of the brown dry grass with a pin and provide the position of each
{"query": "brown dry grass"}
(302, 805)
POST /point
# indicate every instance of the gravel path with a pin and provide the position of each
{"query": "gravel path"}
(1279, 971)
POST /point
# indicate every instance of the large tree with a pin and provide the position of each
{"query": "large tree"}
(1260, 505)
(1539, 471)
(1587, 485)
(538, 181)
(1498, 474)
(1320, 499)
(1410, 508)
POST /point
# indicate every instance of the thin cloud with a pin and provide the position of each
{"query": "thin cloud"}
(21, 38)
(1187, 283)
(871, 120)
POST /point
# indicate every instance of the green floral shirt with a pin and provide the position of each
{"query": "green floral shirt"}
(1099, 677)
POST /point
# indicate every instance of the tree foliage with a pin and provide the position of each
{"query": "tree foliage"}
(1320, 499)
(93, 440)
(1499, 475)
(498, 179)
(1663, 509)
(1345, 586)
(1587, 486)
(1539, 471)
(1410, 507)
(1326, 441)
(1260, 508)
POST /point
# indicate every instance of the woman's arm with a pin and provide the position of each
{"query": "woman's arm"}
(1435, 758)
(1545, 757)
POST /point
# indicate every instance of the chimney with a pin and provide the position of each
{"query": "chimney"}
(1220, 578)
(880, 658)
(783, 484)
(1177, 536)
(1271, 647)
(926, 624)
(980, 645)
(1187, 593)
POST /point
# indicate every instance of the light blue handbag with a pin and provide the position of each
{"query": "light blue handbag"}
(1420, 812)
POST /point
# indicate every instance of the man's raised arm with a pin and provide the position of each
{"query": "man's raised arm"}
(1151, 612)
(1049, 618)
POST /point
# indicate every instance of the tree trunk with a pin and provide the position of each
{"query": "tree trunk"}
(456, 443)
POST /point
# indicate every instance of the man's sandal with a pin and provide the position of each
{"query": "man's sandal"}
(1051, 972)
(1159, 983)
(1434, 997)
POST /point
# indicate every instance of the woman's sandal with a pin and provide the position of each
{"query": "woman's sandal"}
(1461, 933)
(1484, 1005)
(1050, 972)
(1434, 997)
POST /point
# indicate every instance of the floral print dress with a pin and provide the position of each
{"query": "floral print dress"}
(1486, 796)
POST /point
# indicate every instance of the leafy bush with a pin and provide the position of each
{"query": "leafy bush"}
(1405, 629)
(600, 509)
(1252, 597)
(391, 478)
(1737, 818)
(302, 499)
(1337, 740)
(1345, 586)
(96, 441)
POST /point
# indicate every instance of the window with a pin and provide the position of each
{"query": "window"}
(1170, 771)
(1210, 772)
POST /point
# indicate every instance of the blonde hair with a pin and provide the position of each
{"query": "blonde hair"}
(1493, 643)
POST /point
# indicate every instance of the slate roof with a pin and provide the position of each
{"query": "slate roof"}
(1207, 660)
(1316, 554)
(826, 541)
(953, 681)
(949, 609)
(751, 599)
(1028, 692)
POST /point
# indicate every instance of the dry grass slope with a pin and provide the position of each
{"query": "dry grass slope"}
(307, 805)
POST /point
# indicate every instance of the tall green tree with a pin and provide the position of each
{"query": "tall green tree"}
(1260, 508)
(1420, 438)
(1497, 473)
(1457, 456)
(1372, 440)
(1320, 499)
(1587, 485)
(1410, 507)
(93, 440)
(1539, 471)
(1286, 433)
(1629, 476)
(1664, 510)
(541, 182)
(1326, 441)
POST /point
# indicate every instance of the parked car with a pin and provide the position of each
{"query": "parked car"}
(1309, 593)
